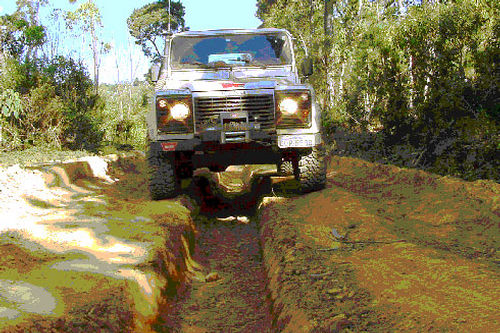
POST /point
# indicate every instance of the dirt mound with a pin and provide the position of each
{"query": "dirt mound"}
(384, 248)
(90, 249)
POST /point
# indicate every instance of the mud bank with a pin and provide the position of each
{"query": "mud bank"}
(82, 249)
(383, 249)
(380, 249)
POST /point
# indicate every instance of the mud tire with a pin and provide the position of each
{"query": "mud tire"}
(311, 170)
(285, 168)
(163, 180)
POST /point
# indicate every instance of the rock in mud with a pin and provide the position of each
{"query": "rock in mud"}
(213, 276)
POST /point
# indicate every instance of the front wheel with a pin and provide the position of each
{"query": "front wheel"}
(310, 170)
(285, 168)
(163, 179)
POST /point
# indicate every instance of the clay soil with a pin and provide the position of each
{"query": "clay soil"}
(384, 249)
(228, 292)
(380, 249)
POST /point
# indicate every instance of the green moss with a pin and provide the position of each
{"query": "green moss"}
(39, 155)
(40, 203)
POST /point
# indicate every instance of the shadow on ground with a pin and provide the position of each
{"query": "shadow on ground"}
(239, 190)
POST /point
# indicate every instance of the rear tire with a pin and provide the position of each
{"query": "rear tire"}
(310, 170)
(163, 179)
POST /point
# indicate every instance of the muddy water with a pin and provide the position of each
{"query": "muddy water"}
(230, 294)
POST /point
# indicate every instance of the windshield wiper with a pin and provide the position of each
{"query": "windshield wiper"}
(196, 63)
(219, 64)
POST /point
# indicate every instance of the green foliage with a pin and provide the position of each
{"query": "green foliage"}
(87, 19)
(71, 81)
(426, 74)
(51, 102)
(10, 103)
(18, 36)
(35, 36)
(42, 117)
(58, 107)
(126, 107)
(87, 16)
(149, 25)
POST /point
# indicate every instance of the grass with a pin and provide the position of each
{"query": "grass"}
(39, 155)
(34, 156)
(71, 290)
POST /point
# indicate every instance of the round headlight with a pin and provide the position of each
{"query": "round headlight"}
(289, 106)
(180, 111)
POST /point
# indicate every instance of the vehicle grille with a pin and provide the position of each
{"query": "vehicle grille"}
(260, 108)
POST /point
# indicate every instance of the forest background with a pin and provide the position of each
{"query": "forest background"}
(411, 83)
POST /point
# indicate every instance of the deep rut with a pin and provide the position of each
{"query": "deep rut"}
(231, 294)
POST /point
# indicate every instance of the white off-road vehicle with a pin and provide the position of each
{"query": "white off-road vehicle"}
(232, 97)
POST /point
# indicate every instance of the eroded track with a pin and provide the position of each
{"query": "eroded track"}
(228, 292)
(230, 295)
(380, 249)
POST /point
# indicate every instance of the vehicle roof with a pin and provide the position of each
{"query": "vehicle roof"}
(228, 31)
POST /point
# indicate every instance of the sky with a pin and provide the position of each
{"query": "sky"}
(200, 15)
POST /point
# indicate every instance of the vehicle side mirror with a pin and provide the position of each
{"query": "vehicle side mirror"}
(155, 73)
(307, 67)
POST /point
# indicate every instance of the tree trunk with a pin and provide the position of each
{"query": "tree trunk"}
(95, 52)
(341, 81)
(117, 68)
(412, 81)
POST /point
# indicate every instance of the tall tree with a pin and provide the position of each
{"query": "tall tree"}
(150, 24)
(31, 9)
(88, 18)
(425, 73)
(12, 36)
(21, 33)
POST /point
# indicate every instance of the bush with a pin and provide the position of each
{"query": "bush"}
(59, 107)
(125, 109)
(43, 116)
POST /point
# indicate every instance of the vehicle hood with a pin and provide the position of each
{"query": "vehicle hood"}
(218, 85)
(228, 80)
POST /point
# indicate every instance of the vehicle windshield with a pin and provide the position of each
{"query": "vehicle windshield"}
(232, 50)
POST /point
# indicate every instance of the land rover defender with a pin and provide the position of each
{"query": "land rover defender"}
(232, 97)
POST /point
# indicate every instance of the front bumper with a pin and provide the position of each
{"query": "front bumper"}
(216, 140)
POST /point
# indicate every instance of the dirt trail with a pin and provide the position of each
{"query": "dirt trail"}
(232, 296)
(229, 294)
(380, 249)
